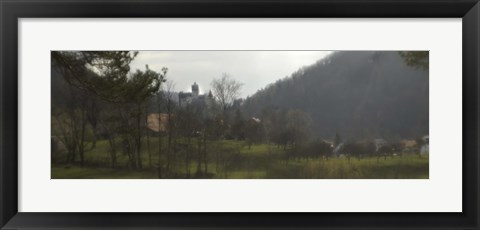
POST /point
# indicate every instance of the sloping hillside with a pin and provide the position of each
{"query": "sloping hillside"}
(359, 94)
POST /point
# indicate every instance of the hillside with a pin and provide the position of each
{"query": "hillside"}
(358, 94)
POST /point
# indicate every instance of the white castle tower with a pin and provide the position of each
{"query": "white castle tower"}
(195, 92)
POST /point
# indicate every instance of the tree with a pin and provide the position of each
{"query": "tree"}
(142, 85)
(298, 126)
(318, 148)
(254, 131)
(388, 150)
(106, 75)
(188, 124)
(170, 107)
(337, 140)
(226, 90)
(111, 69)
(110, 127)
(238, 126)
(416, 59)
(73, 112)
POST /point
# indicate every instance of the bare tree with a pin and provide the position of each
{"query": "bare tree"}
(226, 90)
(168, 93)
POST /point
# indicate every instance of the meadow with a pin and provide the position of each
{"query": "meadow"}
(228, 159)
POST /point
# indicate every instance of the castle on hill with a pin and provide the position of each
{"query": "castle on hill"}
(186, 98)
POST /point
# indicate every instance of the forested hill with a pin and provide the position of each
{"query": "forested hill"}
(359, 94)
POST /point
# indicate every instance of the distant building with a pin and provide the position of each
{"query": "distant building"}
(337, 150)
(379, 143)
(409, 144)
(195, 91)
(424, 149)
(330, 143)
(256, 120)
(426, 138)
(158, 122)
(186, 98)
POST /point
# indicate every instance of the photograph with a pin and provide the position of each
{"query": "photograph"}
(240, 114)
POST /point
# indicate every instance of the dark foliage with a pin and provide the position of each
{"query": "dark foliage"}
(361, 94)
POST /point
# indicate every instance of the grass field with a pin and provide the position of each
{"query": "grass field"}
(234, 160)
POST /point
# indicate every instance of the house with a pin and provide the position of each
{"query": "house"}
(337, 150)
(424, 149)
(185, 98)
(379, 143)
(409, 144)
(158, 122)
(330, 143)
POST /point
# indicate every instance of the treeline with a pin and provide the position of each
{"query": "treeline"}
(290, 130)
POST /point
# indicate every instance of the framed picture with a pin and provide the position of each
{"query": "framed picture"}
(227, 114)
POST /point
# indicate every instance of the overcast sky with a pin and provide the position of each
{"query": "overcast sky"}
(255, 69)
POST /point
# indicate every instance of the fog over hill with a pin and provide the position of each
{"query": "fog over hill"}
(358, 94)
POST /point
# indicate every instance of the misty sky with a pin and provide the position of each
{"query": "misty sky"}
(255, 69)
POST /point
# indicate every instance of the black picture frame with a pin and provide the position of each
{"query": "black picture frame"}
(12, 10)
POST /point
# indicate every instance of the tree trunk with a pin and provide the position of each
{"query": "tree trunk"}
(187, 158)
(199, 156)
(113, 152)
(149, 152)
(139, 138)
(81, 145)
(159, 169)
(205, 163)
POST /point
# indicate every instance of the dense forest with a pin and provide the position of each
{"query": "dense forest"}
(109, 121)
(358, 94)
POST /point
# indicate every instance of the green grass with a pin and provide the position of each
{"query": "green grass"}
(235, 160)
(99, 173)
(406, 167)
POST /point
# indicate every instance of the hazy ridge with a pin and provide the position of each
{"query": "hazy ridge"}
(357, 94)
